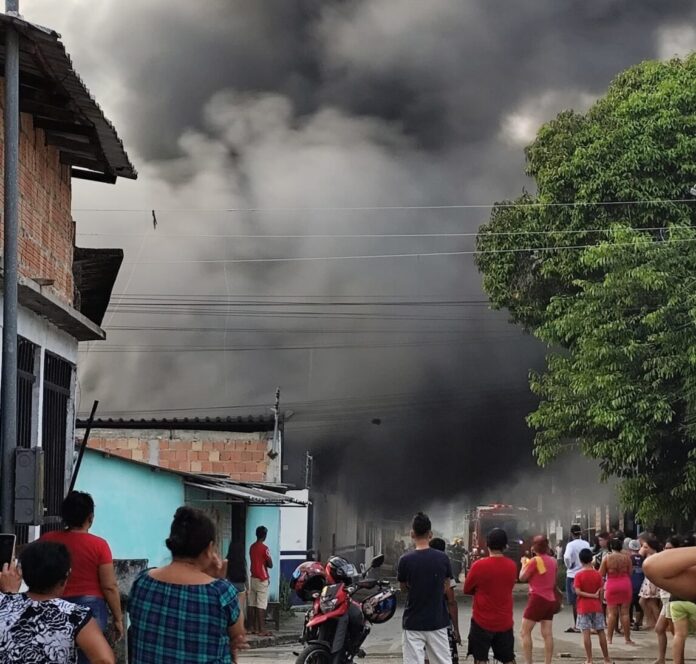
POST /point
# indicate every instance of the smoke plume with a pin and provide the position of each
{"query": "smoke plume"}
(297, 109)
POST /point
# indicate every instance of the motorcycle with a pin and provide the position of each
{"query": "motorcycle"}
(337, 624)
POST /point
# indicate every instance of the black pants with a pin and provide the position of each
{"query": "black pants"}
(481, 641)
(349, 627)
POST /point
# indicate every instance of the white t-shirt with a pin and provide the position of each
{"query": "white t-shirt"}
(572, 556)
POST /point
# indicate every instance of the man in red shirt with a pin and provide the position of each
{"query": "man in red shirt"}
(491, 581)
(261, 562)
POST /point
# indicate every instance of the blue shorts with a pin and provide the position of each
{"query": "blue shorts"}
(591, 621)
(570, 591)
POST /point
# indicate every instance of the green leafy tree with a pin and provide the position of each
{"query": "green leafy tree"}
(600, 264)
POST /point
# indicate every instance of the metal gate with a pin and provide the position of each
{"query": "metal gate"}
(56, 400)
(26, 354)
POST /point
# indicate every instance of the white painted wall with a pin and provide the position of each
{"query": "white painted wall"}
(48, 338)
(39, 331)
(293, 524)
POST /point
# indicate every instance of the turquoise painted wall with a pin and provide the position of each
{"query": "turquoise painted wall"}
(268, 516)
(134, 505)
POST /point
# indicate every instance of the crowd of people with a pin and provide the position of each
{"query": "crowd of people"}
(190, 609)
(616, 586)
(186, 611)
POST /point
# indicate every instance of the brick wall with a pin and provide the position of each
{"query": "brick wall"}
(240, 456)
(46, 234)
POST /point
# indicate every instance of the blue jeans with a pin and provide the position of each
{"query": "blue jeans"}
(97, 605)
(570, 591)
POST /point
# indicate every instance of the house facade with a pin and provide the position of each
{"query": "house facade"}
(136, 521)
(63, 290)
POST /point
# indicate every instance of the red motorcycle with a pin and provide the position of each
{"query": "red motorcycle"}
(337, 624)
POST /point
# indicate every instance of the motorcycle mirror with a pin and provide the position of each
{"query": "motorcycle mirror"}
(362, 568)
(377, 561)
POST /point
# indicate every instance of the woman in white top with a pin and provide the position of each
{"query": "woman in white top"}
(38, 626)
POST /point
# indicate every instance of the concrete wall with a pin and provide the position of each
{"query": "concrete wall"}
(48, 338)
(240, 456)
(339, 527)
(268, 516)
(293, 534)
(47, 231)
(134, 506)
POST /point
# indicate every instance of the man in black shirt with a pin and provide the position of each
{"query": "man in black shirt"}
(425, 575)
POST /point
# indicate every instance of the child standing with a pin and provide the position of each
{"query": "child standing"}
(588, 588)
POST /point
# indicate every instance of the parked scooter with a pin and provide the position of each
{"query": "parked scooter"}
(337, 625)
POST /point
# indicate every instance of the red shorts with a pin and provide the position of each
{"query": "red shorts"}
(539, 609)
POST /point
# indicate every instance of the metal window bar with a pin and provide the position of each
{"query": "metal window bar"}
(26, 354)
(56, 398)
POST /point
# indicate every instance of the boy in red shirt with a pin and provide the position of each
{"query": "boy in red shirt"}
(261, 562)
(588, 588)
(491, 581)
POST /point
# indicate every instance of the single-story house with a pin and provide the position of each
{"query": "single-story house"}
(135, 502)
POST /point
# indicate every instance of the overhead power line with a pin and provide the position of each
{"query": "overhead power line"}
(327, 407)
(178, 300)
(396, 208)
(292, 259)
(221, 313)
(381, 236)
(336, 346)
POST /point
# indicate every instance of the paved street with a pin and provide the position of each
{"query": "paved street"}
(384, 644)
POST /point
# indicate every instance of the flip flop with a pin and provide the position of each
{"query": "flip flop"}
(572, 630)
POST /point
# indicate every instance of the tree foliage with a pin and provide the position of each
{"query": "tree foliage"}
(602, 268)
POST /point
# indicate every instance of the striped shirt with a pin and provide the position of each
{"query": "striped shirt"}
(181, 624)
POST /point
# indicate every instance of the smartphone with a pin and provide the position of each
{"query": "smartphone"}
(7, 548)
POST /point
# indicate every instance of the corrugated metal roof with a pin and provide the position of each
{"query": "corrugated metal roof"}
(238, 424)
(62, 106)
(247, 493)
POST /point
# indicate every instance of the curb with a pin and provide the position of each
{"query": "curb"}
(271, 641)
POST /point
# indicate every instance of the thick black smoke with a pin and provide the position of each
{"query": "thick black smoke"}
(335, 104)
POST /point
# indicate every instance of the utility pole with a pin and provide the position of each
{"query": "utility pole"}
(275, 445)
(8, 388)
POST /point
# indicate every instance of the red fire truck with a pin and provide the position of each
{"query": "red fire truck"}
(515, 521)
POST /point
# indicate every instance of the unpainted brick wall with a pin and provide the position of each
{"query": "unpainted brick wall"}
(240, 456)
(47, 231)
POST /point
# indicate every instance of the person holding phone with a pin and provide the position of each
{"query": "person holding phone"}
(38, 626)
(7, 549)
(92, 583)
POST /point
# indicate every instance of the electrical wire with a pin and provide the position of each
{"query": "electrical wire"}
(178, 301)
(293, 259)
(355, 404)
(287, 330)
(265, 348)
(387, 208)
(355, 236)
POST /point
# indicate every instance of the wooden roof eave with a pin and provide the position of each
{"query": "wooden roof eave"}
(62, 107)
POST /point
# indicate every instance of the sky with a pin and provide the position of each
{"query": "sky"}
(259, 128)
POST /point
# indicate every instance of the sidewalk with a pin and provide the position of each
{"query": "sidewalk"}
(289, 632)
